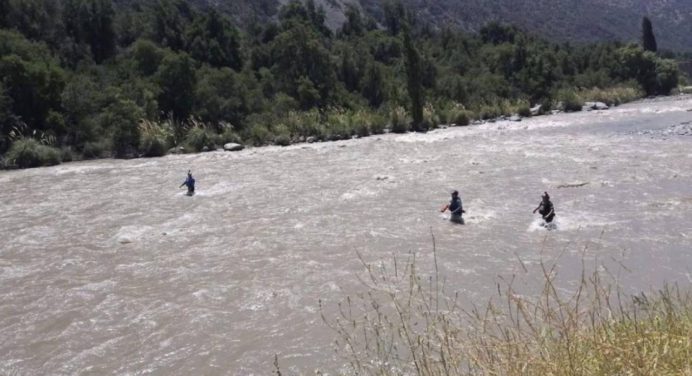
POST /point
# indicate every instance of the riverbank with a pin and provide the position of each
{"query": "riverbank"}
(159, 138)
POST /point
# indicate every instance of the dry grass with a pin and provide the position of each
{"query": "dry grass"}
(405, 323)
(612, 96)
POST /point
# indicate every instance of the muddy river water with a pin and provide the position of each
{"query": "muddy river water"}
(107, 268)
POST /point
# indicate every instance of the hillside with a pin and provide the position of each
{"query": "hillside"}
(564, 20)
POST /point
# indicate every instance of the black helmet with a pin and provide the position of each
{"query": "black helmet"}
(455, 193)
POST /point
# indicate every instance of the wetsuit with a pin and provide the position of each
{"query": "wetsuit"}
(547, 211)
(456, 209)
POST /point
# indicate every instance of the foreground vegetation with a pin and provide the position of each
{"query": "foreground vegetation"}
(91, 78)
(406, 323)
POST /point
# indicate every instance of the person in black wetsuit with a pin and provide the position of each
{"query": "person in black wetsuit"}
(456, 208)
(546, 208)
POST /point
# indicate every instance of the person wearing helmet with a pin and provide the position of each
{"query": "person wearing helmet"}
(546, 208)
(190, 183)
(456, 208)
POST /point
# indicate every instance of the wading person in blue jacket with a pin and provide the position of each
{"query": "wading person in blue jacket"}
(456, 208)
(190, 183)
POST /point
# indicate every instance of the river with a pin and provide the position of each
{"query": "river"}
(107, 268)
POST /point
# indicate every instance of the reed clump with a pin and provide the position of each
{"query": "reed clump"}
(405, 323)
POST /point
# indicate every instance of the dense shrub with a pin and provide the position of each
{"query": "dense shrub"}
(367, 123)
(431, 117)
(571, 102)
(230, 135)
(122, 117)
(97, 149)
(612, 96)
(490, 111)
(156, 138)
(27, 152)
(339, 125)
(459, 116)
(282, 135)
(305, 124)
(258, 135)
(198, 137)
(68, 155)
(378, 123)
(152, 146)
(524, 111)
(399, 121)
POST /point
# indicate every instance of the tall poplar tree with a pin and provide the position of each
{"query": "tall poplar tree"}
(648, 38)
(414, 80)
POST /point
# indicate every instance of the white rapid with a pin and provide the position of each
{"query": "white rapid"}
(106, 268)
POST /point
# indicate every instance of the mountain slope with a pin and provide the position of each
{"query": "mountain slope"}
(562, 20)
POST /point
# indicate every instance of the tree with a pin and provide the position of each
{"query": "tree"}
(298, 55)
(354, 24)
(34, 87)
(177, 80)
(648, 38)
(35, 19)
(212, 39)
(100, 30)
(497, 33)
(218, 97)
(81, 101)
(91, 22)
(7, 119)
(122, 118)
(373, 83)
(414, 80)
(129, 26)
(147, 56)
(394, 16)
(655, 75)
(349, 73)
(317, 16)
(4, 12)
(170, 19)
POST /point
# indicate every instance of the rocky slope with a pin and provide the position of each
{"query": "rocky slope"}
(564, 20)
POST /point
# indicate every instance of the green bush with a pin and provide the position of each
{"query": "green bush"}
(305, 124)
(460, 116)
(570, 100)
(524, 111)
(399, 120)
(488, 112)
(282, 135)
(198, 137)
(153, 146)
(339, 125)
(97, 149)
(229, 134)
(27, 152)
(363, 123)
(156, 138)
(431, 117)
(378, 124)
(258, 135)
(67, 154)
(122, 118)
